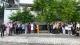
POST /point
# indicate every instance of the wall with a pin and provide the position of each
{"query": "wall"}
(26, 1)
(7, 13)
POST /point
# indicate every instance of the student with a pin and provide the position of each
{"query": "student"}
(29, 28)
(63, 29)
(10, 26)
(3, 28)
(26, 28)
(23, 28)
(7, 28)
(37, 28)
(32, 27)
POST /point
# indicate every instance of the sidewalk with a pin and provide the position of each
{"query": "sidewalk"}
(58, 39)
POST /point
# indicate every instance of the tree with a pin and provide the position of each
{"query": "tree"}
(23, 17)
(53, 10)
(68, 10)
(78, 11)
(46, 9)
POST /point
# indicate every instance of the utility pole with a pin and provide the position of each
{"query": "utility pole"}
(3, 7)
(2, 11)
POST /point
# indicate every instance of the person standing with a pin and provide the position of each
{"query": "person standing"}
(7, 29)
(20, 29)
(37, 28)
(10, 30)
(60, 27)
(26, 28)
(23, 28)
(29, 28)
(3, 27)
(73, 29)
(50, 28)
(63, 29)
(17, 29)
(14, 27)
(32, 27)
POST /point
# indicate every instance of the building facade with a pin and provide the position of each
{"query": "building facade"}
(11, 6)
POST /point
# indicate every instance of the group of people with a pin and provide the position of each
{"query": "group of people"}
(6, 27)
(65, 28)
(17, 28)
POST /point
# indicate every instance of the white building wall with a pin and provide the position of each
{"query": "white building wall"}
(26, 1)
(7, 14)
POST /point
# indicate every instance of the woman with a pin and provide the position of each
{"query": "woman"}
(37, 28)
(7, 29)
(29, 28)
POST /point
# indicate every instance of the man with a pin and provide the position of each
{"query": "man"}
(23, 28)
(73, 29)
(50, 28)
(3, 27)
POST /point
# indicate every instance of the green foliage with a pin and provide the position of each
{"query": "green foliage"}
(68, 10)
(40, 18)
(54, 10)
(23, 17)
(47, 10)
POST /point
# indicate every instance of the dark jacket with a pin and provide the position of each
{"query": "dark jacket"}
(3, 27)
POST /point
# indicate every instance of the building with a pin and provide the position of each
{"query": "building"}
(11, 6)
(1, 12)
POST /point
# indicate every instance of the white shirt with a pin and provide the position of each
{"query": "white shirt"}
(54, 26)
(23, 26)
(32, 27)
(18, 25)
(77, 25)
(67, 28)
(70, 25)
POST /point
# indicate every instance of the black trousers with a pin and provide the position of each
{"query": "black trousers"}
(73, 32)
(66, 31)
(50, 30)
(2, 33)
(17, 30)
(20, 30)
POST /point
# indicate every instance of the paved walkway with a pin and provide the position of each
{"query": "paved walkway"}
(53, 39)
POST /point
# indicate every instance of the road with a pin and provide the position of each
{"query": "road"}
(40, 39)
